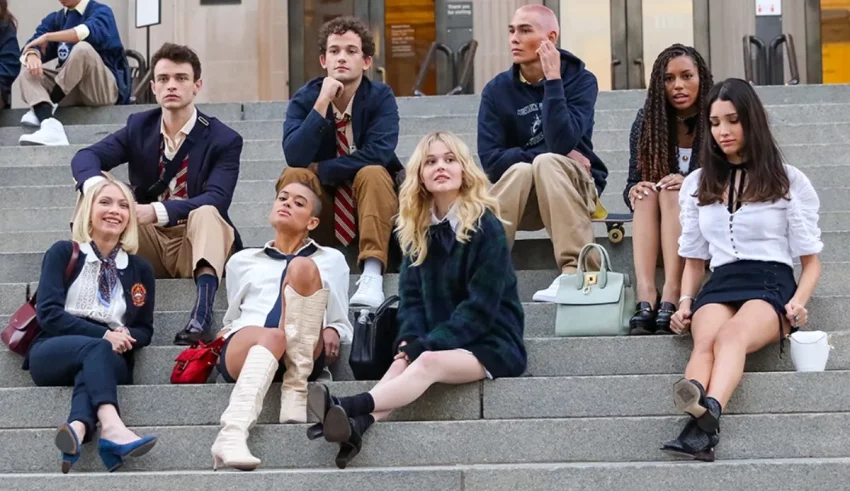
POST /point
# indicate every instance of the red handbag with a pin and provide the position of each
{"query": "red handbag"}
(194, 364)
(23, 326)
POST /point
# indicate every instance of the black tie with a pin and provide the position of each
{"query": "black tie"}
(273, 319)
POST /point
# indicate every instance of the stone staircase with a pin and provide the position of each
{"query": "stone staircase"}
(590, 413)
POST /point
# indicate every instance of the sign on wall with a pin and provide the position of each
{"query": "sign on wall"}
(148, 13)
(768, 8)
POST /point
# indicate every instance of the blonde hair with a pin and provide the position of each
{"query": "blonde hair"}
(416, 202)
(81, 229)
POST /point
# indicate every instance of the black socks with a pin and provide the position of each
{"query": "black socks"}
(362, 423)
(43, 110)
(359, 405)
(203, 312)
(57, 94)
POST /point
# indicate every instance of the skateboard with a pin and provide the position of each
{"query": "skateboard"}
(614, 223)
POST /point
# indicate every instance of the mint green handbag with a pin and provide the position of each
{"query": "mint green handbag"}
(594, 303)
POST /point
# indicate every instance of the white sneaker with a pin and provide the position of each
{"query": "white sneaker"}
(370, 292)
(30, 120)
(52, 133)
(550, 293)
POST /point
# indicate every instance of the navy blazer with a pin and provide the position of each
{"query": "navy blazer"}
(311, 137)
(213, 163)
(53, 290)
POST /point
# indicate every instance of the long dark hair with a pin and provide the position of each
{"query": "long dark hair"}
(6, 17)
(657, 148)
(767, 180)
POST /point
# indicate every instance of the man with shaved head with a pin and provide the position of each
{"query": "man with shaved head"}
(534, 138)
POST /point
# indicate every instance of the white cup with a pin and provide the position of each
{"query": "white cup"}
(810, 350)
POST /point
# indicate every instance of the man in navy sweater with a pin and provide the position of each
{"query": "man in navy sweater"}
(534, 138)
(183, 167)
(92, 69)
(340, 136)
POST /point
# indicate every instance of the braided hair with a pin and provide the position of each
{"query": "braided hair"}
(658, 145)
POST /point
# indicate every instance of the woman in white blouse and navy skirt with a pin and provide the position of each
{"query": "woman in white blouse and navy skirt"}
(92, 326)
(749, 215)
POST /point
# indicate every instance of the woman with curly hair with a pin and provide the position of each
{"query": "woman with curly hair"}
(460, 318)
(664, 135)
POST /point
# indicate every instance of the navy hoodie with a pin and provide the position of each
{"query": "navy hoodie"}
(10, 64)
(518, 121)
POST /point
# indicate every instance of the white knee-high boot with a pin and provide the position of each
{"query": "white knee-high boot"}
(246, 402)
(303, 320)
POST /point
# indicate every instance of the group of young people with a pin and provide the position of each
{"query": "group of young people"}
(460, 316)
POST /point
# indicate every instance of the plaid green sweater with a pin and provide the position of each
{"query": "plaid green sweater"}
(465, 296)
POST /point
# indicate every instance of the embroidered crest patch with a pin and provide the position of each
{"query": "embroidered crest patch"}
(139, 294)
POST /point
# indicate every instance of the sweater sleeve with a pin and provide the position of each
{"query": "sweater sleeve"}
(142, 328)
(634, 169)
(52, 292)
(567, 117)
(100, 24)
(411, 308)
(496, 156)
(474, 317)
(303, 131)
(10, 52)
(48, 24)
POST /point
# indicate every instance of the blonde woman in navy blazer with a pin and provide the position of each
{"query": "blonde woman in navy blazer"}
(93, 325)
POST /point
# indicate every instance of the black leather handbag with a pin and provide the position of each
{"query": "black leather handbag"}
(374, 334)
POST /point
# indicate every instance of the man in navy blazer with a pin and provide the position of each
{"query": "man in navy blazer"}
(183, 167)
(339, 137)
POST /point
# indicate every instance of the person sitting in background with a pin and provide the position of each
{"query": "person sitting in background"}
(10, 65)
(460, 318)
(750, 215)
(92, 69)
(661, 153)
(183, 166)
(281, 300)
(535, 126)
(339, 136)
(92, 327)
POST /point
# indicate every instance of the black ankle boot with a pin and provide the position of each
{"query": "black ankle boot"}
(643, 322)
(319, 402)
(662, 319)
(690, 398)
(348, 432)
(693, 443)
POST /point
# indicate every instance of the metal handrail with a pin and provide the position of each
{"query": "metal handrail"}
(426, 65)
(755, 78)
(466, 54)
(791, 54)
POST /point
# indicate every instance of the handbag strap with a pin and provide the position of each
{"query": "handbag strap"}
(605, 263)
(386, 305)
(72, 263)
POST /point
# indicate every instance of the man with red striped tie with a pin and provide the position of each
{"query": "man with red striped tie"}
(183, 166)
(340, 136)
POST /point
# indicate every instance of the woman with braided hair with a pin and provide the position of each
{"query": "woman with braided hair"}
(664, 135)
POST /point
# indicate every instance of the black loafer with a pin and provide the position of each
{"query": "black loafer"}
(191, 334)
(643, 322)
(662, 318)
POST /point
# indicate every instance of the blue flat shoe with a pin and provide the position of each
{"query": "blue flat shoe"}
(68, 443)
(112, 454)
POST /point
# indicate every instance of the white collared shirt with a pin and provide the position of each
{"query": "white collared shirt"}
(82, 29)
(778, 231)
(253, 287)
(451, 216)
(82, 301)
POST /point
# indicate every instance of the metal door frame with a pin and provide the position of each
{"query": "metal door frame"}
(814, 47)
(370, 11)
(627, 44)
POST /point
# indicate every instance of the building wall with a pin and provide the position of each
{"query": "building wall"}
(490, 29)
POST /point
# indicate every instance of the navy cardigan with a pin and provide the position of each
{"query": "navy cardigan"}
(311, 137)
(10, 63)
(213, 163)
(464, 296)
(103, 36)
(52, 292)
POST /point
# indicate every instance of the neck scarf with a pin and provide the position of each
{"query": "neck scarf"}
(107, 278)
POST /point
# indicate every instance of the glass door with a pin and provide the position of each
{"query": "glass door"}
(403, 31)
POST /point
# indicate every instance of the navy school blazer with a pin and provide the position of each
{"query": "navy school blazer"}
(52, 292)
(311, 137)
(213, 163)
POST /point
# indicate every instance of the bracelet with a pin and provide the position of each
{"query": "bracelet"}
(686, 297)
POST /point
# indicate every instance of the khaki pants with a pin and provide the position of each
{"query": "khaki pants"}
(83, 78)
(174, 252)
(377, 204)
(552, 192)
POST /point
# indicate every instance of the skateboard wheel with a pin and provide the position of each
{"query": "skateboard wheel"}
(615, 235)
